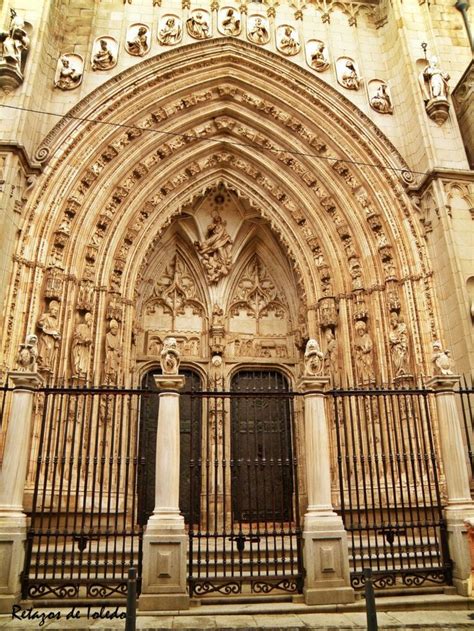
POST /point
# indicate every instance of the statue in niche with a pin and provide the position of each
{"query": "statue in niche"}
(442, 361)
(139, 45)
(398, 338)
(198, 25)
(230, 24)
(80, 347)
(169, 356)
(113, 352)
(349, 77)
(381, 101)
(435, 81)
(330, 356)
(15, 42)
(319, 60)
(258, 32)
(68, 77)
(214, 251)
(313, 359)
(48, 339)
(28, 354)
(103, 58)
(288, 44)
(364, 353)
(171, 32)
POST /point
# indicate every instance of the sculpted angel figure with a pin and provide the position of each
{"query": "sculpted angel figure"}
(259, 32)
(289, 45)
(381, 101)
(103, 59)
(214, 251)
(139, 44)
(231, 23)
(48, 339)
(198, 26)
(443, 363)
(80, 348)
(350, 78)
(28, 354)
(169, 356)
(364, 355)
(319, 60)
(435, 81)
(171, 32)
(68, 78)
(14, 42)
(313, 359)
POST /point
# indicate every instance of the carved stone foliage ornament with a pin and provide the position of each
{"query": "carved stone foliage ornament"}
(287, 40)
(138, 40)
(169, 357)
(435, 88)
(215, 250)
(363, 354)
(104, 53)
(80, 346)
(442, 361)
(49, 336)
(399, 345)
(198, 24)
(229, 21)
(313, 359)
(28, 354)
(69, 71)
(258, 30)
(379, 97)
(170, 30)
(316, 55)
(14, 47)
(347, 73)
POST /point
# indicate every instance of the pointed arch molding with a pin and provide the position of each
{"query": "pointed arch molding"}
(220, 111)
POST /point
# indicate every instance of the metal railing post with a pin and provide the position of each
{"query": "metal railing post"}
(131, 619)
(370, 601)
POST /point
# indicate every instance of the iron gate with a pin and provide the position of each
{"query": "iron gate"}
(84, 532)
(389, 486)
(246, 534)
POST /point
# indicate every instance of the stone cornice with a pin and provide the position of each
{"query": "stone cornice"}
(465, 175)
(31, 167)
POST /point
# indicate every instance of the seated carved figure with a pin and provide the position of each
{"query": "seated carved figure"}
(103, 59)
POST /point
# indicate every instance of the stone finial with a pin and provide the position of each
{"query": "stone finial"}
(313, 359)
(28, 354)
(169, 357)
(442, 362)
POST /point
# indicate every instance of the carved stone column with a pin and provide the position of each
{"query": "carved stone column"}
(165, 540)
(13, 520)
(460, 505)
(326, 559)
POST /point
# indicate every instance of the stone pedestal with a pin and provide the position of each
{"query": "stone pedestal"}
(165, 540)
(460, 507)
(13, 522)
(325, 551)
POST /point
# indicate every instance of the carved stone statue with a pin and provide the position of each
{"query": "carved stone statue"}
(28, 354)
(169, 356)
(198, 25)
(230, 24)
(48, 339)
(80, 348)
(330, 356)
(103, 58)
(349, 77)
(139, 45)
(364, 353)
(435, 81)
(258, 32)
(442, 361)
(67, 77)
(313, 359)
(14, 42)
(170, 33)
(399, 345)
(288, 43)
(113, 352)
(214, 251)
(319, 60)
(381, 101)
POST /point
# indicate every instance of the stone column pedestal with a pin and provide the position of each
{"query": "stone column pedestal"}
(460, 507)
(13, 521)
(325, 550)
(165, 540)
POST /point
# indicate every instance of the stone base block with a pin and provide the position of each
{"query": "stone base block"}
(12, 555)
(329, 596)
(457, 519)
(163, 602)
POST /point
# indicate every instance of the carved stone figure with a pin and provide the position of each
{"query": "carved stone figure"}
(198, 25)
(230, 23)
(330, 356)
(214, 251)
(364, 353)
(318, 59)
(349, 77)
(139, 45)
(381, 101)
(48, 339)
(171, 31)
(28, 354)
(80, 347)
(103, 57)
(399, 345)
(169, 357)
(14, 43)
(442, 361)
(258, 31)
(68, 75)
(287, 40)
(113, 352)
(313, 359)
(435, 81)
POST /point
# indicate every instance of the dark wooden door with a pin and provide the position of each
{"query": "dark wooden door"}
(190, 447)
(262, 471)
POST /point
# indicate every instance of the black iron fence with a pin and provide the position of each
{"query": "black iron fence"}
(389, 486)
(465, 392)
